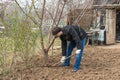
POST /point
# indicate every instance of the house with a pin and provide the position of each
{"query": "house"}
(101, 13)
(110, 11)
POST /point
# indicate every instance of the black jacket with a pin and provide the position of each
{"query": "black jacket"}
(71, 33)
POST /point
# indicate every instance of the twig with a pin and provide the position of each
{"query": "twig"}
(50, 44)
(40, 26)
(61, 13)
(32, 18)
(81, 14)
(36, 10)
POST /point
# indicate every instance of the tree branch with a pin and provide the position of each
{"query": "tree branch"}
(61, 13)
(40, 26)
(50, 44)
(33, 19)
(36, 10)
(51, 16)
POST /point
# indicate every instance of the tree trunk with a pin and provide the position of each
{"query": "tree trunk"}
(45, 55)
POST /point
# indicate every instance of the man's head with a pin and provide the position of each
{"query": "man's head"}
(57, 32)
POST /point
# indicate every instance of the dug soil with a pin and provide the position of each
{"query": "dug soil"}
(98, 63)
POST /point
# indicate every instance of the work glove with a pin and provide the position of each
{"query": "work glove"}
(78, 51)
(63, 59)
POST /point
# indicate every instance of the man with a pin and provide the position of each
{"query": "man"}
(71, 37)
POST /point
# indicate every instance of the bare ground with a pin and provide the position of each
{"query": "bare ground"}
(98, 63)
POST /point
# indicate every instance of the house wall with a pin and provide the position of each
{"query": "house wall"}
(109, 21)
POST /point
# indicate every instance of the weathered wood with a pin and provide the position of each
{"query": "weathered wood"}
(107, 6)
(110, 26)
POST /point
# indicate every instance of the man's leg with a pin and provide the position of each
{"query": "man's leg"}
(79, 56)
(69, 50)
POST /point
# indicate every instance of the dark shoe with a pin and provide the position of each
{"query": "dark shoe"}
(75, 70)
(62, 65)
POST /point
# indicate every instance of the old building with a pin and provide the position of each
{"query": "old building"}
(110, 11)
(101, 13)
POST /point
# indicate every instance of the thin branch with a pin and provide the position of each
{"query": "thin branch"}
(82, 13)
(40, 28)
(36, 10)
(58, 4)
(51, 16)
(50, 44)
(30, 7)
(78, 18)
(61, 13)
(56, 25)
(33, 19)
(54, 18)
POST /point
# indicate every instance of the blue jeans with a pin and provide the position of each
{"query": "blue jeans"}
(70, 47)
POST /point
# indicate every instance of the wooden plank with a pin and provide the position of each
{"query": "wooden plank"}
(107, 6)
(110, 26)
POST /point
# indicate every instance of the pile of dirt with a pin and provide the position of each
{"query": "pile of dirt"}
(98, 63)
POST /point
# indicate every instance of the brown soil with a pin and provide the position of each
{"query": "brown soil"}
(98, 63)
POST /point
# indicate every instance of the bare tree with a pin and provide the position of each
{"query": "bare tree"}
(55, 15)
(41, 12)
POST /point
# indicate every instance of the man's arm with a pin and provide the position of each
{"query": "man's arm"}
(63, 46)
